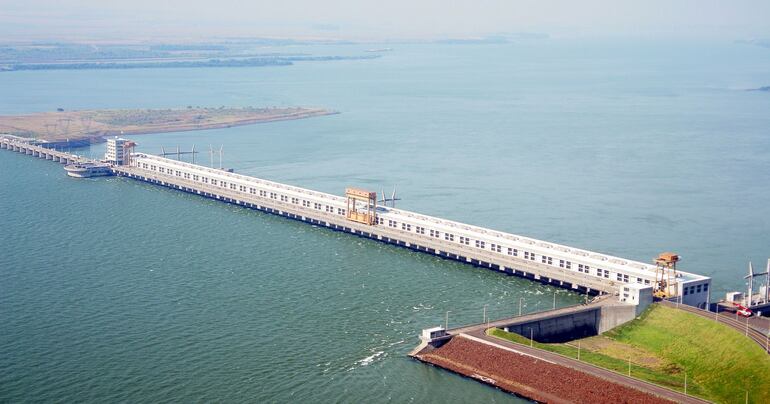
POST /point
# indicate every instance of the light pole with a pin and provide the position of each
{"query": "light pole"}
(446, 320)
(521, 299)
(485, 313)
(629, 366)
(578, 349)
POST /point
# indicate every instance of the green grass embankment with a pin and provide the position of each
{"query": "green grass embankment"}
(664, 343)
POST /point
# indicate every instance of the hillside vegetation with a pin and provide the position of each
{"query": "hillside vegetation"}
(664, 343)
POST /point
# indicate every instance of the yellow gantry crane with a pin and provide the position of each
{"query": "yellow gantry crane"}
(665, 275)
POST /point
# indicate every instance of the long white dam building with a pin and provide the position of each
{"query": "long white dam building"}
(358, 213)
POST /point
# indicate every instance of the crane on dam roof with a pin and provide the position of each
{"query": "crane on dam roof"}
(665, 275)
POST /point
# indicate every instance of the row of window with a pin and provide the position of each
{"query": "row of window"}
(689, 290)
(245, 189)
(586, 269)
(405, 226)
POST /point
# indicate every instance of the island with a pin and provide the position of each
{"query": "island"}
(76, 128)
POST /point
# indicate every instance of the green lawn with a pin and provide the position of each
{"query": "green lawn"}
(664, 343)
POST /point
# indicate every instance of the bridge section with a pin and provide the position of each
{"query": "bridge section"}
(26, 146)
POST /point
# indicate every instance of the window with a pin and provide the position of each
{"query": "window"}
(686, 291)
(273, 196)
(380, 220)
(340, 211)
(264, 193)
(479, 244)
(205, 180)
(646, 281)
(697, 289)
(223, 184)
(433, 233)
(315, 204)
(598, 272)
(606, 274)
(512, 251)
(419, 230)
(213, 182)
(526, 255)
(406, 226)
(295, 201)
(241, 188)
(449, 237)
(232, 186)
(392, 223)
(705, 287)
(465, 240)
(196, 178)
(328, 208)
(625, 278)
(546, 260)
(495, 247)
(638, 280)
(620, 277)
(304, 202)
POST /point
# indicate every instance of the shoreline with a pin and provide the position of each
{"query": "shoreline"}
(81, 128)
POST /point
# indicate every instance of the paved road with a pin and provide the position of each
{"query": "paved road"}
(597, 302)
(587, 368)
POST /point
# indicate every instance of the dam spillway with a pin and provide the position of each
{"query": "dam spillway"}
(568, 267)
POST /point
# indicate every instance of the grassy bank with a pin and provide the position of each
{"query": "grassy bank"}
(665, 343)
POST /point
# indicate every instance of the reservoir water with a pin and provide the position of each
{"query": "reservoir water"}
(114, 290)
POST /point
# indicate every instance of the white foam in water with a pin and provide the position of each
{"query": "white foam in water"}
(369, 359)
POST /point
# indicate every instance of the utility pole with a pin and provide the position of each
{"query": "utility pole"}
(685, 383)
(578, 349)
(629, 366)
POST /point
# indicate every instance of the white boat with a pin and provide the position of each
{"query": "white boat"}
(87, 170)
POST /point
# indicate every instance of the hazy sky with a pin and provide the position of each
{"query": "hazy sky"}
(381, 19)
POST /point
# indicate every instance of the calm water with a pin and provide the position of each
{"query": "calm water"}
(116, 290)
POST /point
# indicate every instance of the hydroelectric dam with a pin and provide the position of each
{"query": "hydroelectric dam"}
(358, 213)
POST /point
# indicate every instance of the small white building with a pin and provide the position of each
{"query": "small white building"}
(429, 334)
(117, 151)
(636, 294)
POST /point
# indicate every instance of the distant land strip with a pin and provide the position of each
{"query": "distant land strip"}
(217, 62)
(91, 126)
